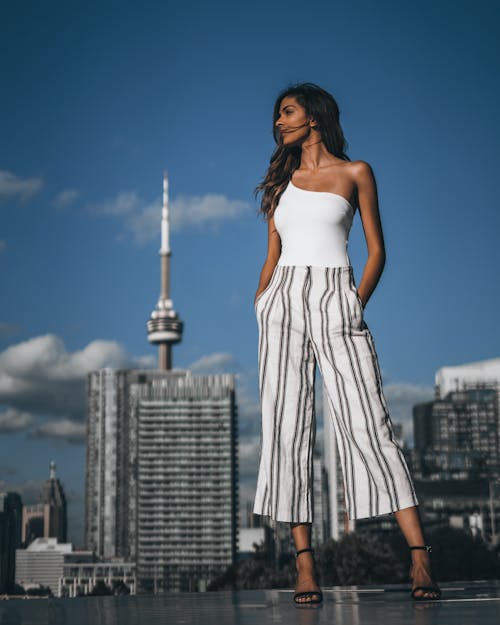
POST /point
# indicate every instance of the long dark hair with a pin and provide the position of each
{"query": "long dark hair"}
(324, 109)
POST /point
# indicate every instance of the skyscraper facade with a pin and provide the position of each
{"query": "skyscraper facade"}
(459, 434)
(185, 485)
(161, 486)
(456, 459)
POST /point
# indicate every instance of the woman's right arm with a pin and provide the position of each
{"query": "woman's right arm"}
(273, 255)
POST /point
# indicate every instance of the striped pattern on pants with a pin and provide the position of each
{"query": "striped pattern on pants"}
(311, 315)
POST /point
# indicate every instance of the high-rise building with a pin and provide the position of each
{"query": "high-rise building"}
(484, 373)
(184, 485)
(108, 448)
(456, 459)
(49, 517)
(458, 437)
(10, 538)
(162, 472)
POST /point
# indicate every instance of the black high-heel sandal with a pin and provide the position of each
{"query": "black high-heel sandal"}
(307, 593)
(434, 588)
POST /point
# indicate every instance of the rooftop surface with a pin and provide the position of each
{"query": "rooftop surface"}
(462, 602)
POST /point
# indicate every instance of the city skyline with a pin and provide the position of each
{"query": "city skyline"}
(81, 168)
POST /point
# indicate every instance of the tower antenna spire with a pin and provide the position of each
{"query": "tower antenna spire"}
(164, 326)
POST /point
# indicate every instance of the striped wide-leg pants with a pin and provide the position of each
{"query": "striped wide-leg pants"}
(311, 315)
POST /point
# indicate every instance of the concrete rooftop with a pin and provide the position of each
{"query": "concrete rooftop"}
(462, 602)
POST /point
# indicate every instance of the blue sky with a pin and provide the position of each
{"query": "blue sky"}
(99, 98)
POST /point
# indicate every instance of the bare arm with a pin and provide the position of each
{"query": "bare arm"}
(370, 217)
(273, 254)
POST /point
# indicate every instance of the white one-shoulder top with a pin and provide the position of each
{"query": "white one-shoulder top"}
(314, 227)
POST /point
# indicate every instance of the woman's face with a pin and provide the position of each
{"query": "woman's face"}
(292, 122)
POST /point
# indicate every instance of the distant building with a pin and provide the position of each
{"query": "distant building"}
(48, 518)
(70, 573)
(456, 459)
(466, 504)
(82, 573)
(10, 538)
(161, 482)
(470, 375)
(41, 563)
(457, 437)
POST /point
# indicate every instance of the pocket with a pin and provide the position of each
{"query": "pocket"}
(354, 289)
(359, 300)
(262, 293)
(259, 297)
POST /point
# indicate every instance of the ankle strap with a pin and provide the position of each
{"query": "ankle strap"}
(306, 549)
(427, 547)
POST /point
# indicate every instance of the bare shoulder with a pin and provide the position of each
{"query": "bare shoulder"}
(361, 170)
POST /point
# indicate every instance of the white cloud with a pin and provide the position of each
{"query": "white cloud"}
(218, 362)
(144, 224)
(123, 204)
(13, 186)
(45, 357)
(406, 392)
(40, 376)
(63, 429)
(3, 245)
(142, 220)
(13, 420)
(201, 209)
(66, 197)
(149, 361)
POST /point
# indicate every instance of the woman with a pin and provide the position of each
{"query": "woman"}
(309, 312)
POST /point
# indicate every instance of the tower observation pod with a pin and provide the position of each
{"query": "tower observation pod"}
(165, 327)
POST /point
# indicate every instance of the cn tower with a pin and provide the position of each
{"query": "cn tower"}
(165, 326)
